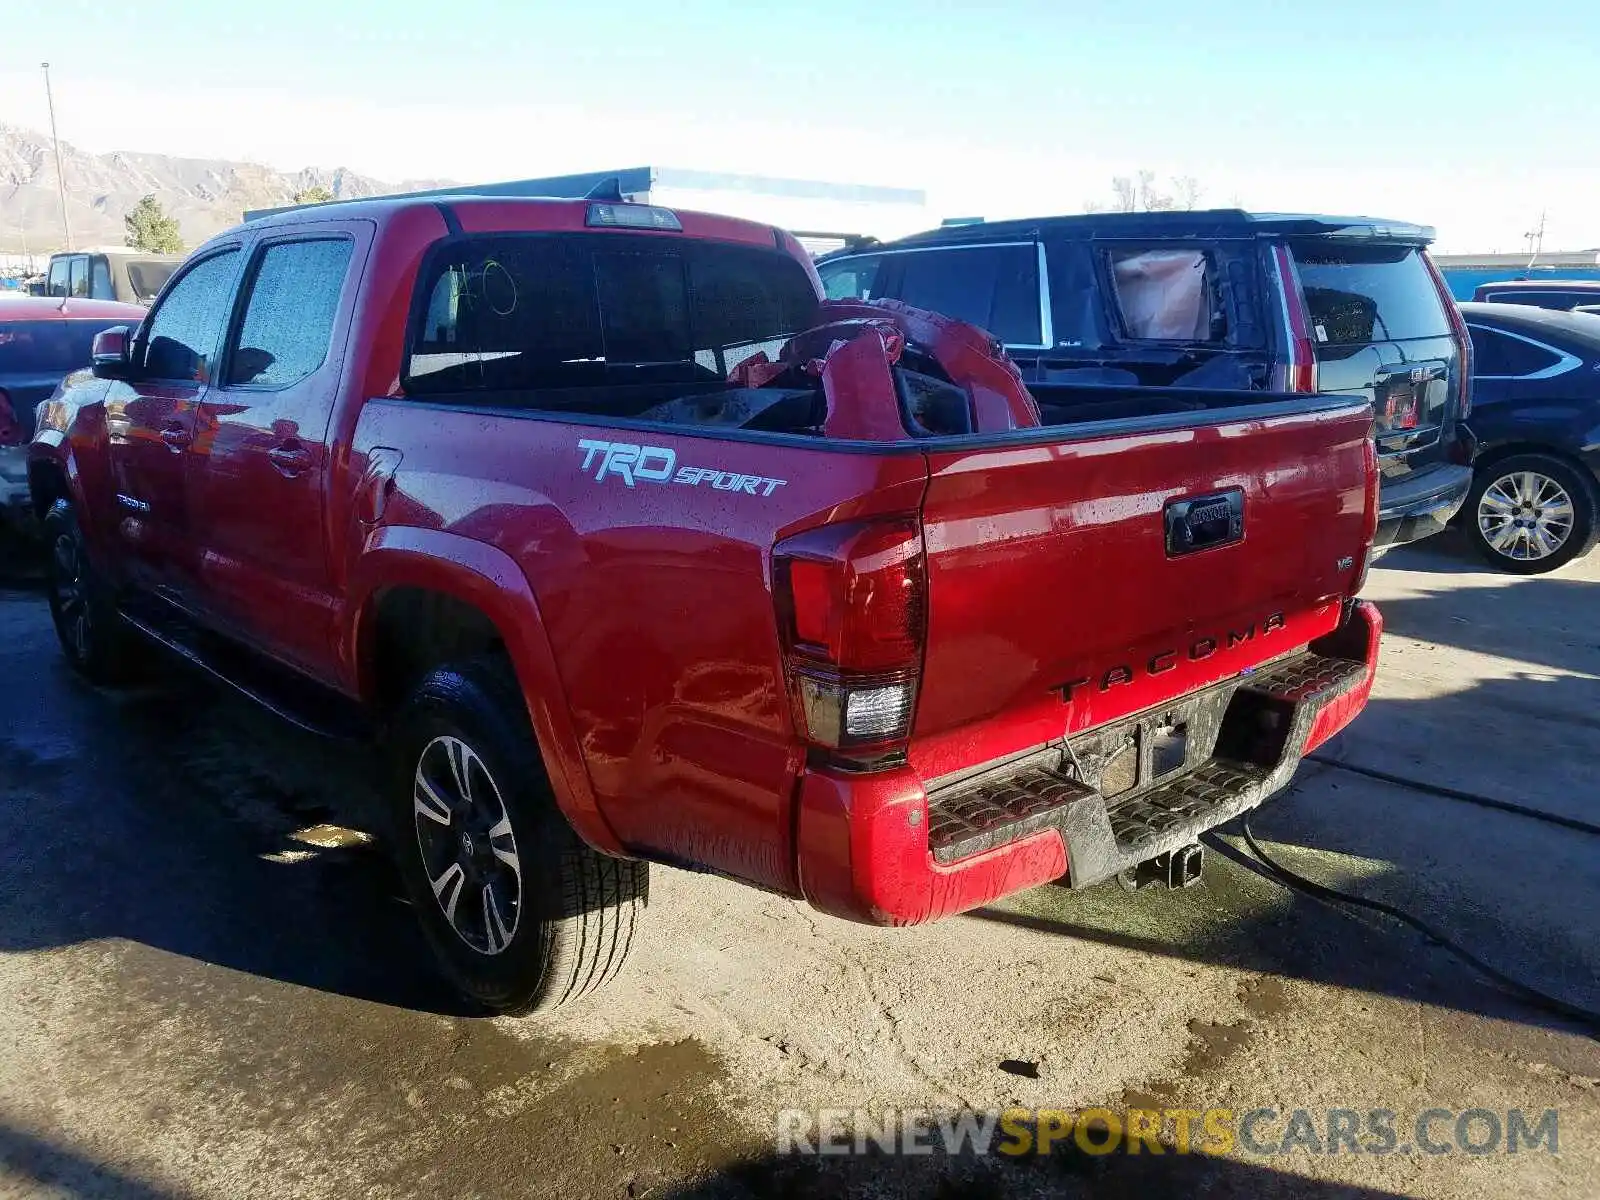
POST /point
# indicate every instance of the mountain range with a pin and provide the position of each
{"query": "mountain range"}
(206, 195)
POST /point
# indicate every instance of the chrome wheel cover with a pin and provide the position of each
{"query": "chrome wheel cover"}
(1525, 516)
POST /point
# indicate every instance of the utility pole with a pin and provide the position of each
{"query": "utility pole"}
(1535, 241)
(61, 178)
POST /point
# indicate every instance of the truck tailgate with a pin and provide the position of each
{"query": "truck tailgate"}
(1073, 580)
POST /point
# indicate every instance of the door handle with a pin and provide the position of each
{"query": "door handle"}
(291, 458)
(176, 437)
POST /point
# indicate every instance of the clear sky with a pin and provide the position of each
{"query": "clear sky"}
(1009, 107)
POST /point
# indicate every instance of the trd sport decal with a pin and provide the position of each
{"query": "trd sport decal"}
(657, 464)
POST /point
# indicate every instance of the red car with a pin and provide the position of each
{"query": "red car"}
(631, 549)
(41, 341)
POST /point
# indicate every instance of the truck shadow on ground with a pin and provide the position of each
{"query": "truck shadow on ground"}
(46, 1165)
(183, 817)
(59, 1170)
(1066, 1173)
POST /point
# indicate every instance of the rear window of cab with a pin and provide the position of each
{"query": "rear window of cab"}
(528, 312)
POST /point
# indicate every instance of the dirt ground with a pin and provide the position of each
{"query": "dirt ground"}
(208, 990)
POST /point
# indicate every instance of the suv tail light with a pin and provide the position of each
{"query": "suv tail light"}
(10, 430)
(1463, 339)
(852, 607)
(1299, 372)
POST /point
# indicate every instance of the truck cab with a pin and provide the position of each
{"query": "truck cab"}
(127, 276)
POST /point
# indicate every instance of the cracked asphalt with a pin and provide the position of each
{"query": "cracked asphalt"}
(209, 987)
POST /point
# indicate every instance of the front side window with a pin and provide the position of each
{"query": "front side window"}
(604, 311)
(289, 316)
(993, 287)
(1499, 355)
(60, 270)
(78, 285)
(1358, 294)
(180, 338)
(1168, 295)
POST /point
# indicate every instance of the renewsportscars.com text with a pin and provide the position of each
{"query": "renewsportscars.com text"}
(1261, 1132)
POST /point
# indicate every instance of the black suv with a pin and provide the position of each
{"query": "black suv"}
(1220, 298)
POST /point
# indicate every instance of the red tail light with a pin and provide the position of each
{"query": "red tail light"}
(1299, 373)
(10, 430)
(1463, 339)
(851, 603)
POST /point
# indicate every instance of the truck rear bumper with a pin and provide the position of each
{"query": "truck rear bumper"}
(881, 848)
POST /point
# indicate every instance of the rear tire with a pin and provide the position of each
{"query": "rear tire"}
(97, 643)
(521, 913)
(1530, 513)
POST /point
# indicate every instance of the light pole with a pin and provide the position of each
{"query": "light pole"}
(61, 178)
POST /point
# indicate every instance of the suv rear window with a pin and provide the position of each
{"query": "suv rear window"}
(148, 278)
(1358, 294)
(48, 347)
(596, 314)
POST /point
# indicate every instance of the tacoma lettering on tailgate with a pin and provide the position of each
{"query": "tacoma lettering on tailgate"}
(1198, 648)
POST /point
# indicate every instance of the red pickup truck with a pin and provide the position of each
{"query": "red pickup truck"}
(630, 548)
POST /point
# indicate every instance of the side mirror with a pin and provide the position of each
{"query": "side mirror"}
(111, 356)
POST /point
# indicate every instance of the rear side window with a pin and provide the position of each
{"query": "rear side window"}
(1168, 295)
(288, 319)
(1359, 294)
(993, 287)
(100, 279)
(47, 347)
(79, 279)
(1497, 354)
(850, 278)
(599, 313)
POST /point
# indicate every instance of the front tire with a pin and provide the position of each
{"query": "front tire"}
(96, 642)
(521, 913)
(1530, 513)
